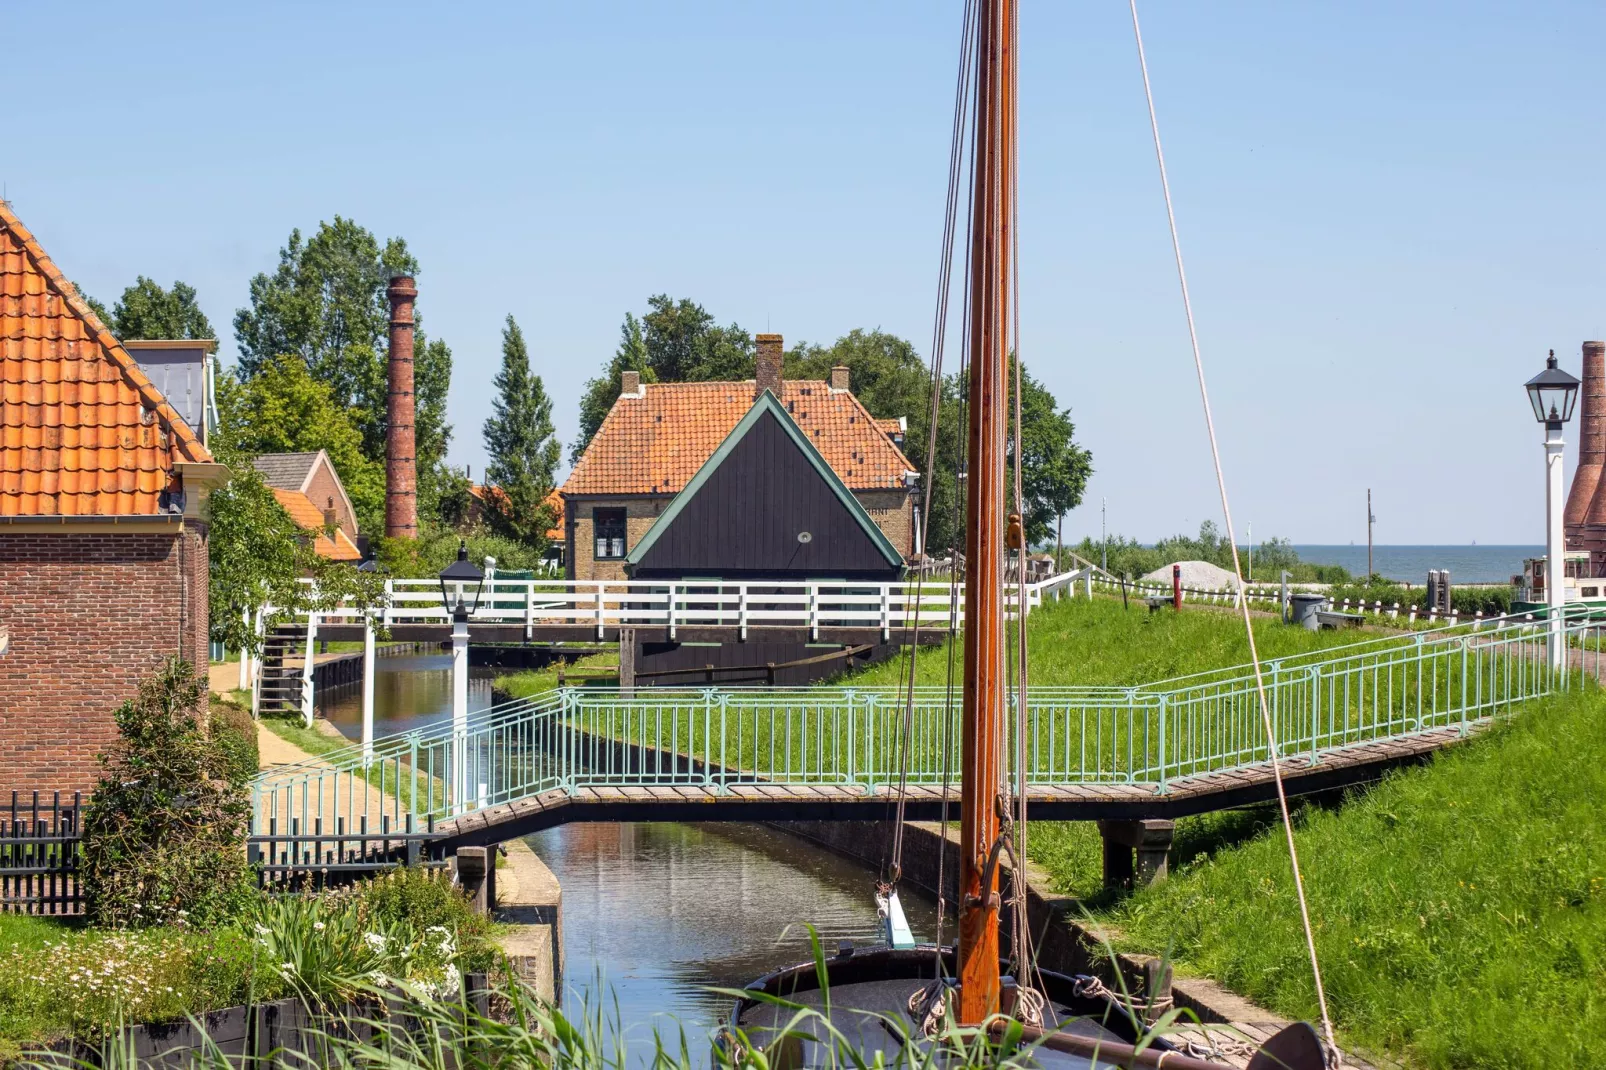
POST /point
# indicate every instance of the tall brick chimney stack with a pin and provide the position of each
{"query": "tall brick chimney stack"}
(768, 374)
(401, 453)
(1584, 518)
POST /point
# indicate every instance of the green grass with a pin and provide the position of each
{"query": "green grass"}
(57, 980)
(532, 683)
(1460, 908)
(314, 742)
(1077, 641)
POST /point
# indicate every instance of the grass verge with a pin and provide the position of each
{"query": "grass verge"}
(1460, 907)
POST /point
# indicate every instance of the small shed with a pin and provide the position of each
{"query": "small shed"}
(765, 505)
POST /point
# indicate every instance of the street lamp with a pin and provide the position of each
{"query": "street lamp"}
(454, 578)
(1553, 393)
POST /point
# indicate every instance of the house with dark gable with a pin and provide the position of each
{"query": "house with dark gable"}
(766, 505)
(765, 478)
(103, 541)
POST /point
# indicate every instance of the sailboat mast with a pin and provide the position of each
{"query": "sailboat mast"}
(985, 683)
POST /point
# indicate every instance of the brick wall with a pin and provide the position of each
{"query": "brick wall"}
(640, 515)
(89, 615)
(321, 488)
(894, 513)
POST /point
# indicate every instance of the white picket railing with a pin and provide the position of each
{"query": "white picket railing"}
(609, 604)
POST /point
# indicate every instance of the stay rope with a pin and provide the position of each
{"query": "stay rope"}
(1226, 511)
(956, 161)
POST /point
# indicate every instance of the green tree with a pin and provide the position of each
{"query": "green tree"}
(1054, 469)
(887, 375)
(164, 837)
(523, 451)
(326, 304)
(600, 393)
(147, 311)
(283, 408)
(673, 342)
(259, 557)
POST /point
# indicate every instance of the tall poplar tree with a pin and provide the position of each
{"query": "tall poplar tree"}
(523, 450)
(326, 304)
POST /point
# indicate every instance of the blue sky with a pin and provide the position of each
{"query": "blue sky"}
(1390, 211)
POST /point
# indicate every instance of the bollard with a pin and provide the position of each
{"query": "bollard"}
(1176, 587)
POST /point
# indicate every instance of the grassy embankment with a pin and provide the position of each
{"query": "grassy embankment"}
(1460, 907)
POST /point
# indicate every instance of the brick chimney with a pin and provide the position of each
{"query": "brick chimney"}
(1586, 508)
(768, 373)
(401, 454)
(630, 385)
(840, 377)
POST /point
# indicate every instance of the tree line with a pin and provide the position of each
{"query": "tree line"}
(311, 374)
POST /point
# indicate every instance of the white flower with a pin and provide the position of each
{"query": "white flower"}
(375, 940)
(317, 926)
(263, 930)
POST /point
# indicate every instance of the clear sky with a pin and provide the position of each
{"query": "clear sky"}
(1390, 210)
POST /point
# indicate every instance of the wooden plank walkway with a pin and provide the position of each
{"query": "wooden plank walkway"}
(697, 800)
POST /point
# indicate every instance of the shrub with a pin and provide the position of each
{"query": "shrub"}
(409, 928)
(164, 836)
(426, 899)
(234, 733)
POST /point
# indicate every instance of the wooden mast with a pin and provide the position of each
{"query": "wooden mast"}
(985, 683)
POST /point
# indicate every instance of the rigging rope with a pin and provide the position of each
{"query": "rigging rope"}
(956, 160)
(1226, 510)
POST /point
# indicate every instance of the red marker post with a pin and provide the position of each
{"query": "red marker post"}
(1176, 587)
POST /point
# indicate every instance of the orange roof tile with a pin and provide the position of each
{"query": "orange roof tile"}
(82, 429)
(309, 517)
(654, 444)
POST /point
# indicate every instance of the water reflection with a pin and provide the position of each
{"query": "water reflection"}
(409, 692)
(663, 912)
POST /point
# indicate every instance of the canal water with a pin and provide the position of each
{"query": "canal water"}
(655, 915)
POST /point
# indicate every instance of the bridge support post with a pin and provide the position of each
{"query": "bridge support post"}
(1147, 838)
(367, 690)
(627, 661)
(476, 873)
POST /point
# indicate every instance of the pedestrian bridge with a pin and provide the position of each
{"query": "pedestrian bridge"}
(1165, 749)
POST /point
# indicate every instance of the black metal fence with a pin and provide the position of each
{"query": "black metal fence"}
(40, 854)
(299, 860)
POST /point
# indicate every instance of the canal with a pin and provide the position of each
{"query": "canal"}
(660, 913)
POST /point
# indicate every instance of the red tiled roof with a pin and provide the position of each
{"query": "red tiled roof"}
(309, 517)
(654, 444)
(82, 430)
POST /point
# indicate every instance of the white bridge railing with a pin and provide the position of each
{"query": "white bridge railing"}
(673, 604)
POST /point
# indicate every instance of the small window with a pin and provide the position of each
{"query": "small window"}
(609, 528)
(1591, 592)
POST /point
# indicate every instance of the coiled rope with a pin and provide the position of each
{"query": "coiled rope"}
(1232, 541)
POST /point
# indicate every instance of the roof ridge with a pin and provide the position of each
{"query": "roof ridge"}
(183, 436)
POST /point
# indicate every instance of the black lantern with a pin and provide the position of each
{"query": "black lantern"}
(1553, 393)
(453, 577)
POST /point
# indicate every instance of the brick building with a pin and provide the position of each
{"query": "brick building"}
(658, 436)
(309, 489)
(103, 550)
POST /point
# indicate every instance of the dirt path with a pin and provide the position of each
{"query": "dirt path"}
(333, 796)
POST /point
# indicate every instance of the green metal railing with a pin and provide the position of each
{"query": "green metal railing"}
(1150, 735)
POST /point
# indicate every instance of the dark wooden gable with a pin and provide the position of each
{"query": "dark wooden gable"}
(766, 505)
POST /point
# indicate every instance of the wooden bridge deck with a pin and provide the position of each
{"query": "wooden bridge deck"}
(1075, 802)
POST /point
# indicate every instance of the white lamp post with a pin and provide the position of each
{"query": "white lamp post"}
(453, 579)
(1552, 393)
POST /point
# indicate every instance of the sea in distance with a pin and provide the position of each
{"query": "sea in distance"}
(1410, 564)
